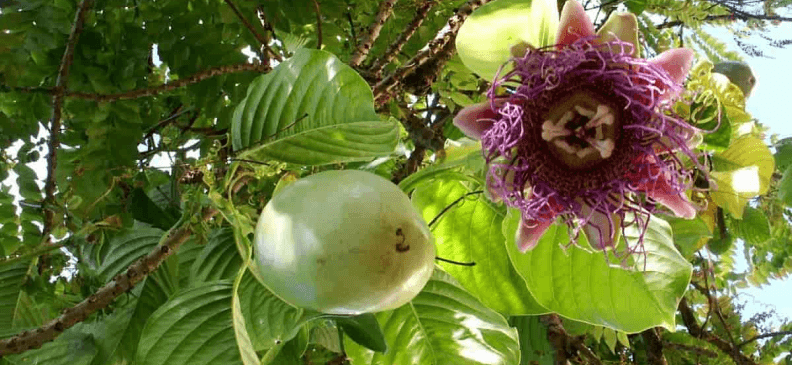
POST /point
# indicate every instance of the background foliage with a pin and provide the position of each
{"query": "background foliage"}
(141, 138)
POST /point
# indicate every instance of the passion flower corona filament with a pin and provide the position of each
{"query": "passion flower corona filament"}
(585, 131)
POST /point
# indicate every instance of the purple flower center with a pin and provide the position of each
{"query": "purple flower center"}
(581, 131)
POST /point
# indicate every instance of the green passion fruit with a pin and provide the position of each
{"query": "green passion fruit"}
(739, 73)
(343, 242)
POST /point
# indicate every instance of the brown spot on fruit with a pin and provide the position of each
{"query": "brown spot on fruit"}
(401, 246)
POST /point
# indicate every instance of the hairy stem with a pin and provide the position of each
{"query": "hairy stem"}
(122, 283)
(396, 47)
(192, 79)
(261, 39)
(385, 11)
(689, 319)
(444, 38)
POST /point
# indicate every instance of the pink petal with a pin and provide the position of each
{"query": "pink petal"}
(529, 233)
(473, 120)
(659, 190)
(678, 203)
(574, 24)
(601, 229)
(493, 193)
(676, 62)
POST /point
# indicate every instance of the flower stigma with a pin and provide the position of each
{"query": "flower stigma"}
(581, 131)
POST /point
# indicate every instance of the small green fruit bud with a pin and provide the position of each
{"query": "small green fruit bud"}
(739, 73)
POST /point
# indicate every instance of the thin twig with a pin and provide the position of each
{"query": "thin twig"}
(269, 31)
(252, 30)
(385, 10)
(351, 24)
(693, 349)
(449, 206)
(140, 93)
(736, 14)
(690, 322)
(765, 335)
(396, 47)
(601, 5)
(177, 112)
(26, 89)
(35, 253)
(742, 15)
(192, 79)
(710, 307)
(411, 166)
(420, 131)
(61, 85)
(318, 24)
(713, 304)
(206, 131)
(438, 258)
(447, 35)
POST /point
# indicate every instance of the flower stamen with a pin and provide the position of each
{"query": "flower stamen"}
(585, 132)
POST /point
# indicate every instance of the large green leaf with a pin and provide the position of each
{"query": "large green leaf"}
(754, 228)
(194, 327)
(72, 348)
(148, 295)
(363, 329)
(535, 348)
(151, 294)
(218, 260)
(126, 248)
(688, 234)
(187, 254)
(12, 277)
(741, 172)
(245, 345)
(146, 210)
(785, 187)
(108, 334)
(26, 181)
(583, 286)
(470, 231)
(444, 324)
(485, 40)
(312, 109)
(291, 352)
(783, 155)
(269, 320)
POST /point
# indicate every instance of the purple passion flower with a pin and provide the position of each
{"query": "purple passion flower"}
(585, 131)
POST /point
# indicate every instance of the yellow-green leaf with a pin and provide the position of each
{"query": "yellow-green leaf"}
(741, 172)
(609, 336)
(487, 36)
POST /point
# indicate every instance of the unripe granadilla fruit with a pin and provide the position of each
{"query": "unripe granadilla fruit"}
(585, 131)
(739, 73)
